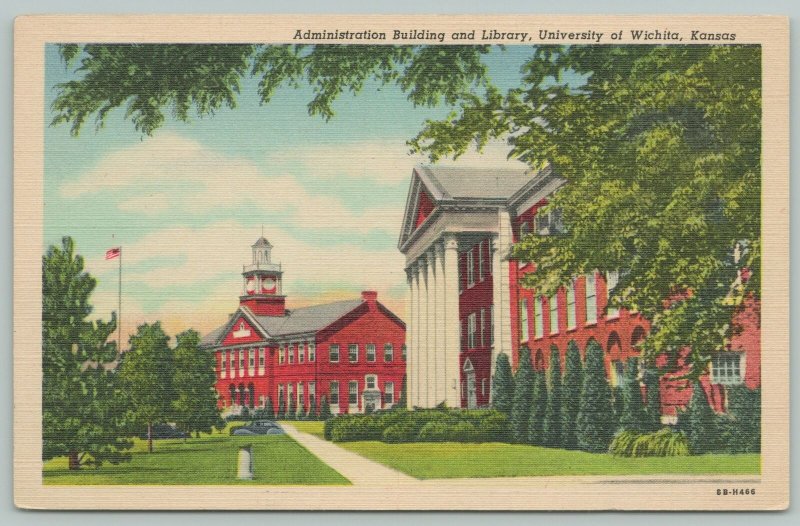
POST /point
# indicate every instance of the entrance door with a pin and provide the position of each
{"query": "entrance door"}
(472, 397)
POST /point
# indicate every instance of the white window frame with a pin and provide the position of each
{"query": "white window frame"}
(480, 261)
(403, 352)
(223, 371)
(251, 361)
(370, 351)
(483, 328)
(572, 313)
(312, 395)
(523, 320)
(612, 279)
(351, 392)
(388, 353)
(491, 324)
(333, 391)
(388, 393)
(724, 365)
(300, 390)
(350, 348)
(333, 350)
(281, 354)
(241, 362)
(552, 303)
(301, 352)
(471, 267)
(538, 318)
(483, 386)
(471, 330)
(591, 298)
(291, 353)
(312, 352)
(373, 378)
(232, 362)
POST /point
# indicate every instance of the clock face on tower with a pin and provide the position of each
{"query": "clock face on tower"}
(251, 285)
(268, 285)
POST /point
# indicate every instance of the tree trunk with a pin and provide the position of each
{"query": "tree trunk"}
(74, 462)
(149, 437)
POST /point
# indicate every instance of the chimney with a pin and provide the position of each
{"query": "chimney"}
(370, 296)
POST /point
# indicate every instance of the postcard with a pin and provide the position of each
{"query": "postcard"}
(401, 262)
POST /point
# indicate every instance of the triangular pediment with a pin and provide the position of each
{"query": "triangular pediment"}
(242, 328)
(422, 199)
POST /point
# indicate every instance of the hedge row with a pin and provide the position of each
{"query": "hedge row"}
(422, 425)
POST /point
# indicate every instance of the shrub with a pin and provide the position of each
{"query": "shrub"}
(325, 409)
(663, 443)
(595, 417)
(503, 385)
(523, 398)
(539, 409)
(744, 427)
(553, 420)
(634, 416)
(573, 383)
(652, 382)
(700, 422)
(397, 433)
(434, 432)
(494, 427)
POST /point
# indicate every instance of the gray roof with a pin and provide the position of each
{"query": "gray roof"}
(296, 321)
(262, 242)
(452, 182)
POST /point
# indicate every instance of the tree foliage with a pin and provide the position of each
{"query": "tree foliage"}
(540, 404)
(596, 414)
(523, 398)
(503, 385)
(195, 396)
(573, 384)
(700, 422)
(83, 412)
(634, 415)
(146, 375)
(554, 419)
(652, 383)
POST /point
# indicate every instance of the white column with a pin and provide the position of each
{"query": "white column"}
(416, 338)
(439, 325)
(501, 288)
(425, 330)
(410, 338)
(451, 322)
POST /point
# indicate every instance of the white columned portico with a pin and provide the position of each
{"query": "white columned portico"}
(439, 325)
(451, 324)
(501, 281)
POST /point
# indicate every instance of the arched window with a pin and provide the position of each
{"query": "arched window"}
(637, 336)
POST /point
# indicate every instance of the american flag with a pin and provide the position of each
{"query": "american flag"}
(112, 253)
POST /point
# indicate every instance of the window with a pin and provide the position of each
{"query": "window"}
(280, 394)
(289, 393)
(262, 357)
(312, 352)
(352, 393)
(352, 353)
(388, 352)
(371, 381)
(388, 393)
(241, 362)
(222, 363)
(334, 393)
(618, 370)
(591, 299)
(553, 303)
(312, 395)
(612, 278)
(403, 351)
(571, 318)
(370, 352)
(471, 329)
(548, 223)
(726, 368)
(483, 386)
(281, 354)
(301, 352)
(524, 229)
(334, 352)
(300, 401)
(538, 318)
(480, 261)
(491, 325)
(523, 320)
(232, 355)
(482, 327)
(489, 256)
(291, 353)
(470, 268)
(251, 362)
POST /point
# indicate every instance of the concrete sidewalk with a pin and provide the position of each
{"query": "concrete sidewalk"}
(357, 469)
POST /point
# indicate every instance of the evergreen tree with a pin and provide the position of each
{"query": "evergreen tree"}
(618, 406)
(503, 385)
(269, 409)
(402, 402)
(291, 409)
(652, 383)
(195, 395)
(634, 416)
(281, 407)
(83, 412)
(595, 416)
(744, 407)
(146, 376)
(536, 424)
(554, 419)
(523, 398)
(325, 409)
(700, 422)
(573, 384)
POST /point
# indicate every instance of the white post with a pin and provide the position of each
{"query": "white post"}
(245, 471)
(410, 340)
(433, 350)
(439, 326)
(501, 288)
(451, 322)
(416, 338)
(424, 343)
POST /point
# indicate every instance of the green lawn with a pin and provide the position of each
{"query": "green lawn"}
(315, 428)
(278, 459)
(455, 460)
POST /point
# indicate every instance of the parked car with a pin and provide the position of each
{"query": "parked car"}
(258, 427)
(164, 431)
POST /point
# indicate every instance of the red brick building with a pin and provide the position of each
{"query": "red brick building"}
(351, 352)
(467, 305)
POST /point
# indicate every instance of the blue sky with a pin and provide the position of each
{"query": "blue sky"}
(186, 203)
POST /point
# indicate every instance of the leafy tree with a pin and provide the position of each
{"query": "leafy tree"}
(595, 416)
(634, 416)
(652, 382)
(402, 402)
(146, 376)
(194, 386)
(554, 419)
(670, 136)
(523, 398)
(700, 422)
(536, 425)
(573, 385)
(325, 409)
(503, 385)
(83, 412)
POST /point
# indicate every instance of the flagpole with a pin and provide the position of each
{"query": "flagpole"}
(119, 327)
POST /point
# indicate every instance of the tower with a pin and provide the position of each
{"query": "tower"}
(262, 282)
